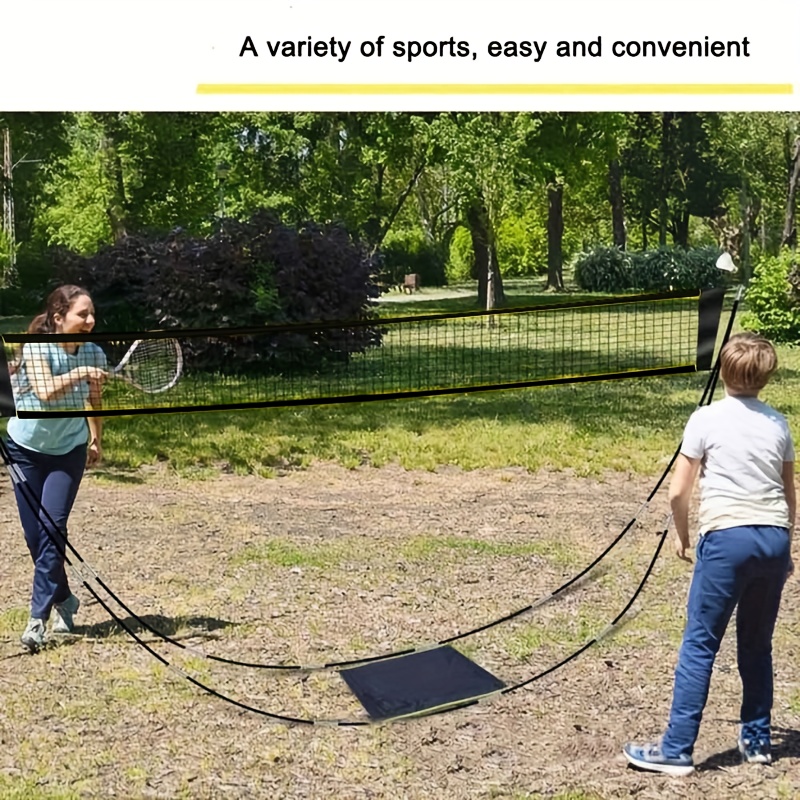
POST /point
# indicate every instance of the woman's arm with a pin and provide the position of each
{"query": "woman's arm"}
(48, 387)
(95, 450)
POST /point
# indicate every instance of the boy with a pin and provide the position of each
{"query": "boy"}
(744, 453)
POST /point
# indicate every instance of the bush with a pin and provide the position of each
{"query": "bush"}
(604, 269)
(772, 303)
(522, 245)
(253, 273)
(609, 269)
(674, 269)
(410, 251)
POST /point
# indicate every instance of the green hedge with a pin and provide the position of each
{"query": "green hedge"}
(604, 269)
(609, 269)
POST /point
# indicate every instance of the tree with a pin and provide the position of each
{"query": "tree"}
(485, 169)
(674, 172)
(616, 199)
(360, 169)
(753, 148)
(563, 151)
(29, 143)
(789, 235)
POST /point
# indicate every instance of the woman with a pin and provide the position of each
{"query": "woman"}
(52, 453)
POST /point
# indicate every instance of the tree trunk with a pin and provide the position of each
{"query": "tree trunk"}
(746, 211)
(663, 215)
(617, 203)
(8, 274)
(486, 268)
(116, 209)
(665, 180)
(789, 236)
(555, 236)
(680, 229)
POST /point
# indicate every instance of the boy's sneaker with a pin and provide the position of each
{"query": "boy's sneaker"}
(755, 752)
(64, 613)
(649, 757)
(33, 637)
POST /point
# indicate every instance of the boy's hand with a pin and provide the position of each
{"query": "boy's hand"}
(682, 545)
(790, 570)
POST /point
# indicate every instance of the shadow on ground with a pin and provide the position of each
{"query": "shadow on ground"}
(785, 744)
(155, 625)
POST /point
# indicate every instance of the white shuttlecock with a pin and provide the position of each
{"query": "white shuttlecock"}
(725, 262)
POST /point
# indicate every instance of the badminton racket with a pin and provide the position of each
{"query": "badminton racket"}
(152, 365)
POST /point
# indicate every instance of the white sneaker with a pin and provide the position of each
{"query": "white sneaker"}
(33, 637)
(64, 613)
(755, 752)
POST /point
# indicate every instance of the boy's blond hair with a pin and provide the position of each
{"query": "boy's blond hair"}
(747, 363)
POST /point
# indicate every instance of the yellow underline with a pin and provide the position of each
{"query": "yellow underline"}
(493, 88)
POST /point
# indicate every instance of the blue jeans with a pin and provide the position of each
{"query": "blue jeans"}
(745, 566)
(53, 483)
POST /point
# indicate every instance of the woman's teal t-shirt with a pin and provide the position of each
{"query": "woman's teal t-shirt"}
(53, 436)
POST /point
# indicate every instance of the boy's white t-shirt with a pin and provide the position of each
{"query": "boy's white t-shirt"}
(743, 443)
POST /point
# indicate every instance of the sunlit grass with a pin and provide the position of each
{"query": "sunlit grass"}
(421, 548)
(631, 426)
(30, 788)
(282, 553)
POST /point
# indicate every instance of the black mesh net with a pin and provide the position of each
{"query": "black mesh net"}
(193, 370)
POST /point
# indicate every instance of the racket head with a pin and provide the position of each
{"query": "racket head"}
(151, 365)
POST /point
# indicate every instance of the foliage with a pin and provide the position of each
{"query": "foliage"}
(675, 269)
(129, 173)
(7, 250)
(409, 251)
(522, 244)
(609, 269)
(674, 171)
(772, 303)
(755, 147)
(252, 273)
(461, 256)
(86, 179)
(604, 269)
(78, 192)
(33, 278)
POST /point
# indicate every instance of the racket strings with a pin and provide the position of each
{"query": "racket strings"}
(153, 365)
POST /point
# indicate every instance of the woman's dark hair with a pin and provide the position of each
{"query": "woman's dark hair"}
(59, 301)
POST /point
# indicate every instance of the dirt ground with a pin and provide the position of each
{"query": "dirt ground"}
(328, 564)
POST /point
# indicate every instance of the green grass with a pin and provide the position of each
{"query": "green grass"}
(13, 324)
(282, 553)
(30, 788)
(422, 548)
(628, 425)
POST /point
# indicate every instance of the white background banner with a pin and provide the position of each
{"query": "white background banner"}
(415, 54)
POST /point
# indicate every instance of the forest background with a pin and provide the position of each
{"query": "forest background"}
(452, 197)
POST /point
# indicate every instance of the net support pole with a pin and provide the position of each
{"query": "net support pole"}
(709, 314)
(7, 406)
